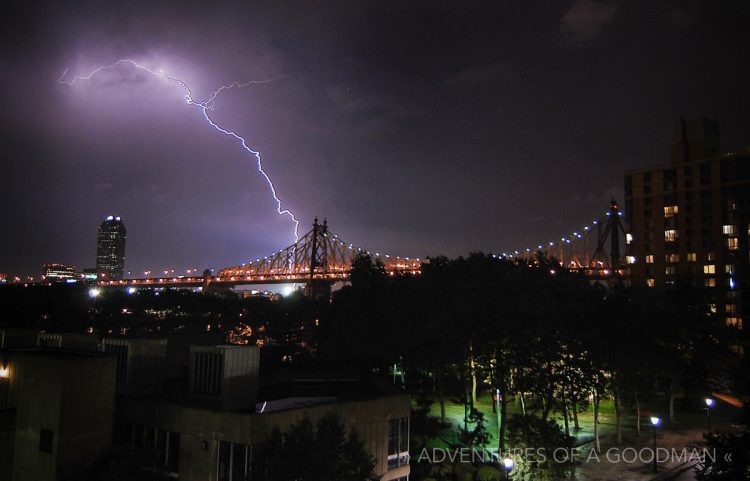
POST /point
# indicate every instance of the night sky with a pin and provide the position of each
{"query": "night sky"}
(416, 128)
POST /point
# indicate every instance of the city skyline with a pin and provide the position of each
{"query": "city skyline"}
(350, 132)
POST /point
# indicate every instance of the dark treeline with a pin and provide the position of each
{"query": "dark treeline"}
(533, 331)
(285, 327)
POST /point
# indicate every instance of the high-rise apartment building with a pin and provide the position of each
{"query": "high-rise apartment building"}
(688, 221)
(110, 248)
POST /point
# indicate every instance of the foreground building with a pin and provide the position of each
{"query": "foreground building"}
(688, 221)
(201, 408)
(56, 409)
(110, 248)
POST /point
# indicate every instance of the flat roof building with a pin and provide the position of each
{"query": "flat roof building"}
(56, 412)
(688, 221)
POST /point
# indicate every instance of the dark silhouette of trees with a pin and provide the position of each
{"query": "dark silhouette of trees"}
(316, 452)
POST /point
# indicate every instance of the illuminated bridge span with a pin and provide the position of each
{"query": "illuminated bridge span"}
(319, 255)
(593, 250)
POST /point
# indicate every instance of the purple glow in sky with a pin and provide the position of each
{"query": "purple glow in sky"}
(416, 128)
(204, 107)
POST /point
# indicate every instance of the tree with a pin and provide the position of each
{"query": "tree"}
(316, 452)
(729, 460)
(535, 442)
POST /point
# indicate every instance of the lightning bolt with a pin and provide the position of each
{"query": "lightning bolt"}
(205, 106)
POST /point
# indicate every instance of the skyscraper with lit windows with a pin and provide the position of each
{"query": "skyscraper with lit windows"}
(110, 248)
(688, 221)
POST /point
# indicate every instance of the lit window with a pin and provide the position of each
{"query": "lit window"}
(729, 268)
(730, 308)
(649, 259)
(735, 322)
(671, 270)
(630, 259)
(670, 235)
(709, 269)
(733, 243)
(650, 282)
(628, 238)
(671, 210)
(709, 282)
(691, 257)
(672, 257)
(712, 308)
(729, 229)
(710, 256)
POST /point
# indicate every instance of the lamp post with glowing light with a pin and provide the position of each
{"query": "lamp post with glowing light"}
(508, 464)
(709, 405)
(655, 422)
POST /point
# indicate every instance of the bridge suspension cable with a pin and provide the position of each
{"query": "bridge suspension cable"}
(574, 251)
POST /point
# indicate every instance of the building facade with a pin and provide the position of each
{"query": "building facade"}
(688, 221)
(110, 249)
(67, 399)
(56, 410)
(59, 272)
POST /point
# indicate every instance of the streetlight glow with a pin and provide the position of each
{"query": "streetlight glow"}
(655, 421)
(709, 402)
(94, 292)
(508, 464)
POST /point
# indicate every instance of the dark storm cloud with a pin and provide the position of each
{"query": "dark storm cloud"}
(416, 127)
(585, 19)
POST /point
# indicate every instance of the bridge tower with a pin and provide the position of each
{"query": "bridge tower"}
(318, 288)
(610, 228)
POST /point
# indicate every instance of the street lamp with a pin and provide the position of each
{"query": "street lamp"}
(94, 292)
(655, 422)
(709, 404)
(508, 464)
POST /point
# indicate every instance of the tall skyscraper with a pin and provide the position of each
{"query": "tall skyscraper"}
(110, 248)
(688, 221)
